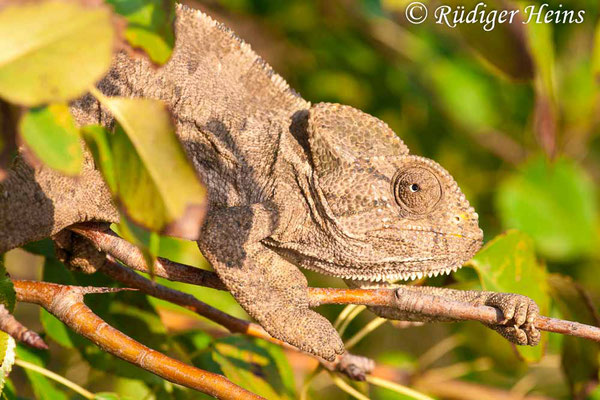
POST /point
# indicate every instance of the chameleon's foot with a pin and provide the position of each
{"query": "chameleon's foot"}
(305, 329)
(355, 367)
(520, 313)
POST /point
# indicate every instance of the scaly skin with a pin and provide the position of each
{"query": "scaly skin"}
(324, 187)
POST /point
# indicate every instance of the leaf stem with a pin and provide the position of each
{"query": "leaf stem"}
(373, 380)
(342, 384)
(370, 327)
(350, 317)
(55, 377)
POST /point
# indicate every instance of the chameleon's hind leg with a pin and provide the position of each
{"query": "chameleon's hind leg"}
(270, 289)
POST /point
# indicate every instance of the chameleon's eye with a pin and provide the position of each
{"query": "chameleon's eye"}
(417, 190)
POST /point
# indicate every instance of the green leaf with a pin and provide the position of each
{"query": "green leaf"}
(97, 139)
(42, 387)
(193, 345)
(464, 93)
(50, 133)
(256, 365)
(149, 26)
(7, 291)
(52, 51)
(157, 187)
(556, 204)
(508, 264)
(7, 355)
(44, 247)
(55, 271)
(182, 251)
(55, 329)
(9, 392)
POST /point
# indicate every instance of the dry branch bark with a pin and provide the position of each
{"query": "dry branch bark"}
(14, 328)
(66, 303)
(426, 304)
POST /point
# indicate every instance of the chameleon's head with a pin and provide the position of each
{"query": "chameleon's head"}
(394, 215)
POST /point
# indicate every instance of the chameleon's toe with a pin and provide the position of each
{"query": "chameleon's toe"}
(520, 313)
(355, 367)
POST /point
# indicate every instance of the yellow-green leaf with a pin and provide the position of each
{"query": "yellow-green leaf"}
(508, 264)
(52, 50)
(50, 133)
(7, 290)
(7, 357)
(155, 184)
(149, 26)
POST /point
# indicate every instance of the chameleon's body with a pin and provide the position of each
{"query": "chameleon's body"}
(290, 184)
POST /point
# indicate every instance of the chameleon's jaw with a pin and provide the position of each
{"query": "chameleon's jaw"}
(389, 269)
(404, 276)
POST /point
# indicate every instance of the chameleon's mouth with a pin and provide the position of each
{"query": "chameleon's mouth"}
(404, 276)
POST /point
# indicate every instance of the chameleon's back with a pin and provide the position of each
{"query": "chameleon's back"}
(229, 107)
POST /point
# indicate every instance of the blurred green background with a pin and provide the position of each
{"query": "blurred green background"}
(513, 114)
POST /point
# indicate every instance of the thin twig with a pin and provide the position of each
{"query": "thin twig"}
(131, 256)
(66, 304)
(18, 331)
(435, 306)
(55, 377)
(401, 389)
(427, 305)
(234, 325)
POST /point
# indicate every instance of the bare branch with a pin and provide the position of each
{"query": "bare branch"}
(130, 255)
(14, 328)
(347, 363)
(435, 306)
(185, 300)
(66, 303)
(425, 304)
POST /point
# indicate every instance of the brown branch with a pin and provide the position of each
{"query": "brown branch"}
(346, 364)
(66, 303)
(425, 304)
(130, 255)
(234, 325)
(435, 306)
(14, 328)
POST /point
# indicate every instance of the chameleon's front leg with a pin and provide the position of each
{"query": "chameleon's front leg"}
(273, 291)
(519, 311)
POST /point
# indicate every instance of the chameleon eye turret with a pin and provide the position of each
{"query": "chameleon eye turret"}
(417, 190)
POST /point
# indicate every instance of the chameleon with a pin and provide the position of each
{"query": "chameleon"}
(291, 185)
